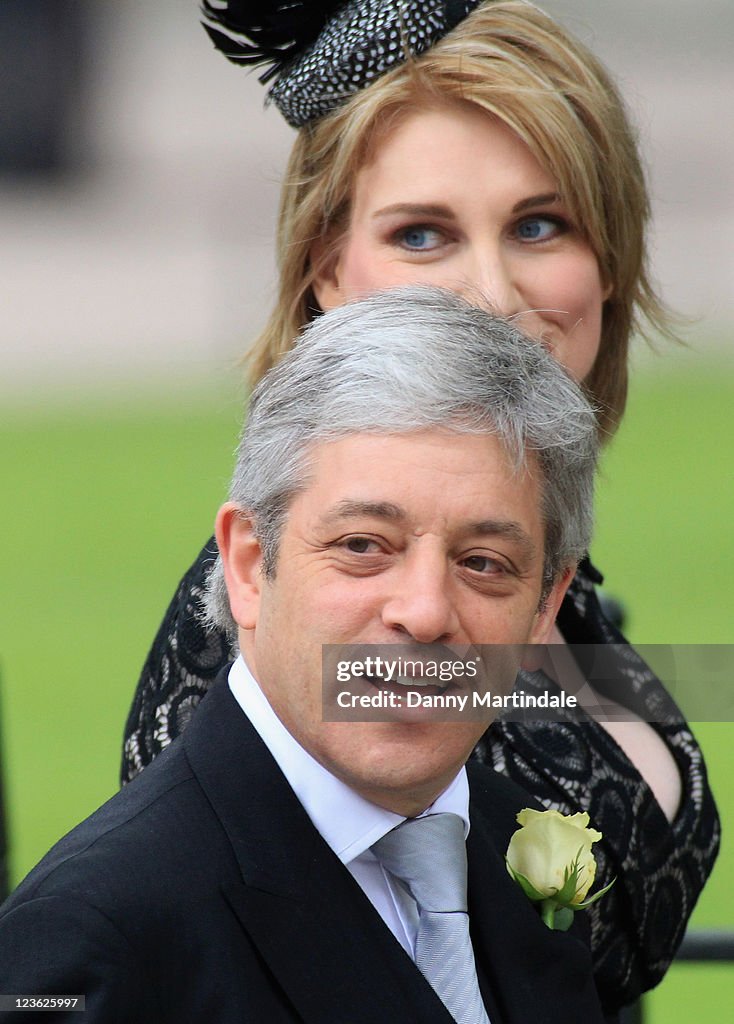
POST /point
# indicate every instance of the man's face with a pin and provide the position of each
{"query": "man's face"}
(425, 538)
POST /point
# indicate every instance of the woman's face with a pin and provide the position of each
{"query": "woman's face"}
(453, 197)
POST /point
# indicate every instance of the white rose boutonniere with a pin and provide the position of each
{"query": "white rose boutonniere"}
(550, 858)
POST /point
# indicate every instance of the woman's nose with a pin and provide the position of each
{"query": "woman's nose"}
(491, 281)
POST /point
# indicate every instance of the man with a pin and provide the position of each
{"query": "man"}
(414, 473)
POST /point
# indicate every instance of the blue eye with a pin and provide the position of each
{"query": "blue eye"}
(420, 238)
(537, 229)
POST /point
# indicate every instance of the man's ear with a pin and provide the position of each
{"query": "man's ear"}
(545, 620)
(242, 562)
(325, 259)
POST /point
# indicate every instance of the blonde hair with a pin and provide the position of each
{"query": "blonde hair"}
(517, 64)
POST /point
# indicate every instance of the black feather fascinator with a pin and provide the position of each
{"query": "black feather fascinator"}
(319, 54)
(265, 31)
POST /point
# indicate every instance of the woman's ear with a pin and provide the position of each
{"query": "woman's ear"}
(242, 561)
(607, 284)
(325, 259)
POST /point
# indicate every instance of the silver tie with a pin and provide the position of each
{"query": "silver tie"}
(428, 855)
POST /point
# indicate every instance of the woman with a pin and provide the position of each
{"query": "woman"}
(495, 160)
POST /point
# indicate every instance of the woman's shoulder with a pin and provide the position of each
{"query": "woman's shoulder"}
(183, 661)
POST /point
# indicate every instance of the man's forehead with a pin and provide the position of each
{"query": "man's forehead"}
(388, 475)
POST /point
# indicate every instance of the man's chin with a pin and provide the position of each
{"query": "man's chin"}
(407, 765)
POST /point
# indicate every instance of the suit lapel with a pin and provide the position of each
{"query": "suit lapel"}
(332, 954)
(526, 971)
(319, 935)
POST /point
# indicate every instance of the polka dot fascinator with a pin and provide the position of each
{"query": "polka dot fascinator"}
(320, 54)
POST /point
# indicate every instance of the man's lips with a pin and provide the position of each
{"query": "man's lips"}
(410, 683)
(430, 670)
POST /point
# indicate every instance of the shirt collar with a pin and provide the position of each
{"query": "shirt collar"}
(347, 822)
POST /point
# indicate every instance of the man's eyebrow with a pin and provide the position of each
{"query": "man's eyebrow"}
(503, 528)
(415, 210)
(348, 509)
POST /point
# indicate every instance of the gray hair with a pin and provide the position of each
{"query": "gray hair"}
(405, 360)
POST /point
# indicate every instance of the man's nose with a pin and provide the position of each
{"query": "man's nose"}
(421, 604)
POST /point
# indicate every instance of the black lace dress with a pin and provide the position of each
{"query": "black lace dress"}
(572, 765)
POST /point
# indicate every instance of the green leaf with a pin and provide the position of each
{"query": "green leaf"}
(526, 885)
(570, 881)
(597, 895)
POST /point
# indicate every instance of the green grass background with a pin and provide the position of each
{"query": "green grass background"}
(107, 500)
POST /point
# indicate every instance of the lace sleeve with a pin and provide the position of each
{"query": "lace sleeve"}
(183, 662)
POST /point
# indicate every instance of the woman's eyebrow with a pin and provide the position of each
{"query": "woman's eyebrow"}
(542, 200)
(445, 212)
(414, 210)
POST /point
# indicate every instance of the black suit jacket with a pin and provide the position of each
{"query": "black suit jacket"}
(203, 893)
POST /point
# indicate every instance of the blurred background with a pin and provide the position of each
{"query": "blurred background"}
(139, 177)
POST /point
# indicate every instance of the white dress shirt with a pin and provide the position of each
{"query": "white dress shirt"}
(347, 822)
